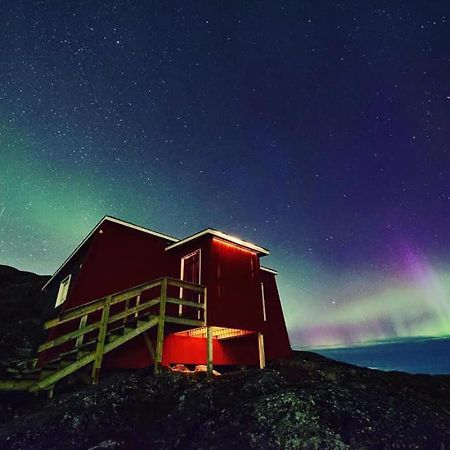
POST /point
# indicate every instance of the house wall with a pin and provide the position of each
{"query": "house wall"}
(234, 293)
(72, 267)
(187, 350)
(117, 258)
(233, 279)
(231, 275)
(120, 258)
(276, 339)
(192, 350)
(174, 257)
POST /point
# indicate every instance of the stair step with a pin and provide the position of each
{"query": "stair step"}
(69, 359)
(131, 322)
(112, 337)
(56, 364)
(73, 360)
(71, 353)
(49, 366)
(49, 369)
(26, 376)
(31, 371)
(120, 329)
(53, 362)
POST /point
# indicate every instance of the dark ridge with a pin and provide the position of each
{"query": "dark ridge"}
(23, 310)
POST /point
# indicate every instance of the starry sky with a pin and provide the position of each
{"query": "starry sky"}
(320, 130)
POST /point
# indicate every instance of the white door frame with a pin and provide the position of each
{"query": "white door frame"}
(189, 255)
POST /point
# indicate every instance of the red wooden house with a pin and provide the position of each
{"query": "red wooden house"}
(239, 308)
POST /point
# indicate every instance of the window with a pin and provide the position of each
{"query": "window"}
(263, 299)
(63, 289)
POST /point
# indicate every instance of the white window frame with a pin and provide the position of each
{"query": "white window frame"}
(263, 300)
(63, 291)
(199, 251)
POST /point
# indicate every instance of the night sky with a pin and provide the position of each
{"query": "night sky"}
(320, 130)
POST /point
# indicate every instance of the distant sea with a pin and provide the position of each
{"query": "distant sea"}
(413, 355)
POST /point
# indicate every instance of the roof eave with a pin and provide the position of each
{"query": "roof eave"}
(104, 219)
(269, 270)
(220, 234)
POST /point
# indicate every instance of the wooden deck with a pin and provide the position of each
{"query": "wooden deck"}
(102, 325)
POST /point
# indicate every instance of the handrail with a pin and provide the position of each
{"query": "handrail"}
(67, 337)
(95, 305)
(74, 313)
(112, 328)
(87, 304)
(99, 304)
(185, 284)
(91, 327)
(130, 293)
(178, 301)
(134, 310)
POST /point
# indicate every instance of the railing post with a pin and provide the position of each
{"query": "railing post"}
(101, 341)
(209, 358)
(209, 338)
(127, 305)
(161, 320)
(80, 338)
(262, 356)
(205, 309)
(138, 302)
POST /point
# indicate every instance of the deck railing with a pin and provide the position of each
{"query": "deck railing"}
(107, 315)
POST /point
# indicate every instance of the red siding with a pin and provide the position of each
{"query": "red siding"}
(118, 257)
(115, 258)
(174, 267)
(276, 339)
(188, 350)
(234, 297)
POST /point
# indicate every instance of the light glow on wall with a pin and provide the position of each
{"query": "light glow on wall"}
(229, 244)
(217, 332)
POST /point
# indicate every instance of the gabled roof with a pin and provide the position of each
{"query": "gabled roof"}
(108, 219)
(175, 242)
(139, 228)
(268, 269)
(227, 237)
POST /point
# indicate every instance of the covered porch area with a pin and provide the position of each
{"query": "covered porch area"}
(214, 346)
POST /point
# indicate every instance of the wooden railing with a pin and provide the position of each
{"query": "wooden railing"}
(132, 307)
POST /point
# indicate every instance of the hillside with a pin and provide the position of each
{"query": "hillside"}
(310, 402)
(23, 308)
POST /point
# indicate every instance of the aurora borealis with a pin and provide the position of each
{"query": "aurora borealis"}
(318, 130)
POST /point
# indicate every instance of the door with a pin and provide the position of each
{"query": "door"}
(190, 272)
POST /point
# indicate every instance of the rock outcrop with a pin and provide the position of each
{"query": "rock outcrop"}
(310, 402)
(23, 309)
(307, 403)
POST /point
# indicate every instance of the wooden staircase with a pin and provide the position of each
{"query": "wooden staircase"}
(102, 325)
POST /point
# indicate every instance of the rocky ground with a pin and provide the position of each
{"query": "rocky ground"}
(308, 403)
